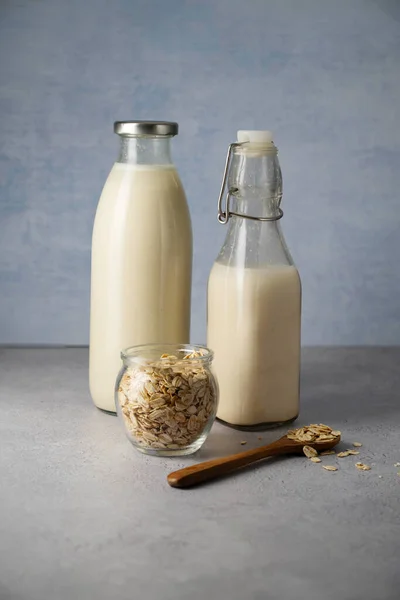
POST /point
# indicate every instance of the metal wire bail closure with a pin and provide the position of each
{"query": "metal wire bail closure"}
(224, 215)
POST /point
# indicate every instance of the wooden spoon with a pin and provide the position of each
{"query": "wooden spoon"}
(218, 467)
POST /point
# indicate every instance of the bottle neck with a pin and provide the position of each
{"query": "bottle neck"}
(255, 182)
(145, 150)
(255, 188)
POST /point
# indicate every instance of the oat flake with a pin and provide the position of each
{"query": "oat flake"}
(309, 452)
(361, 467)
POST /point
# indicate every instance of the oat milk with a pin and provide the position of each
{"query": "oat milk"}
(141, 269)
(254, 330)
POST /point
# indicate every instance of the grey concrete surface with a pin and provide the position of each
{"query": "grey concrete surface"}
(85, 516)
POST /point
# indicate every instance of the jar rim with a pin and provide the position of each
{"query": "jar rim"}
(136, 354)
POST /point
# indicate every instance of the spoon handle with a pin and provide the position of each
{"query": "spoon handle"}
(218, 467)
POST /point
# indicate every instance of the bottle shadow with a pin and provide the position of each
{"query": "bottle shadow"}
(224, 440)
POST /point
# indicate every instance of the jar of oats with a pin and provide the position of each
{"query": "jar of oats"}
(166, 397)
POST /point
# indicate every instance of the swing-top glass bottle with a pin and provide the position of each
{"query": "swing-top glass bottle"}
(254, 293)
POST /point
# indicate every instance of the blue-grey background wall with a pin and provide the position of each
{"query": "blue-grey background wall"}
(324, 75)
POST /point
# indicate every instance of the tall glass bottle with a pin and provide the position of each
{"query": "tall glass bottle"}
(141, 255)
(254, 294)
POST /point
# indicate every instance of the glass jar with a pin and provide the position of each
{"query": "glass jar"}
(254, 294)
(166, 397)
(141, 255)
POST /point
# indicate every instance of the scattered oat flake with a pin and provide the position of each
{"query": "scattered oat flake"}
(357, 444)
(243, 443)
(309, 452)
(397, 464)
(343, 454)
(315, 459)
(327, 452)
(353, 452)
(329, 468)
(361, 467)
